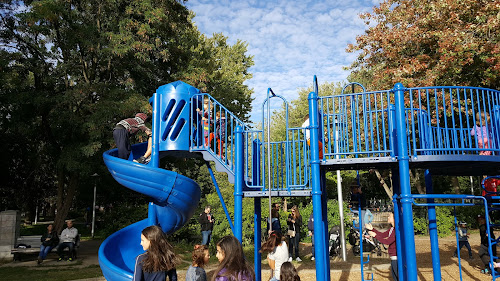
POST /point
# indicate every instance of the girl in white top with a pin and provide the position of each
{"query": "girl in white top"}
(277, 253)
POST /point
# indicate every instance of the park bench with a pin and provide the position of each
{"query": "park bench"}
(29, 245)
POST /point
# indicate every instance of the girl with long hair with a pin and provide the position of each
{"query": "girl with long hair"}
(294, 222)
(159, 260)
(288, 272)
(233, 265)
(195, 271)
(277, 253)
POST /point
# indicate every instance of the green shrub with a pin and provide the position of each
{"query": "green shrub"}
(121, 216)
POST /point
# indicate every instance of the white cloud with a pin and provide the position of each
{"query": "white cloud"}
(290, 40)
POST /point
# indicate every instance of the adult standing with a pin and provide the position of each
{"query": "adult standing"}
(68, 240)
(49, 241)
(389, 238)
(206, 220)
(294, 222)
(126, 128)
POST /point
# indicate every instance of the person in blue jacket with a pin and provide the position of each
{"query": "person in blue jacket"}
(159, 260)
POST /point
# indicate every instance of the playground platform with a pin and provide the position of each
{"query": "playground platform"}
(445, 130)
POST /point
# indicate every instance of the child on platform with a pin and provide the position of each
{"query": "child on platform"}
(196, 271)
(233, 265)
(206, 118)
(220, 132)
(159, 260)
(482, 133)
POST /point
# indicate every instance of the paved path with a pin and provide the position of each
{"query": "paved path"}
(87, 255)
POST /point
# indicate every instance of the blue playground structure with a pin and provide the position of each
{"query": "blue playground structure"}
(398, 129)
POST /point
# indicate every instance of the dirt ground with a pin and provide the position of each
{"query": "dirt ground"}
(340, 270)
(350, 270)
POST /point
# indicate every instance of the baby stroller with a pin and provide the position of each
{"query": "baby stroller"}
(369, 245)
(334, 241)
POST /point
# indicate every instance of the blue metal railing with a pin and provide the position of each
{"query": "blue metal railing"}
(452, 116)
(361, 121)
(439, 121)
(213, 128)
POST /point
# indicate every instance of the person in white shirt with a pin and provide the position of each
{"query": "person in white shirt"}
(277, 253)
(68, 240)
(307, 136)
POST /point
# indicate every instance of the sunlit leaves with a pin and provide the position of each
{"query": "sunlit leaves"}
(423, 43)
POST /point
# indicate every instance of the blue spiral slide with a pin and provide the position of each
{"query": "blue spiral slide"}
(174, 200)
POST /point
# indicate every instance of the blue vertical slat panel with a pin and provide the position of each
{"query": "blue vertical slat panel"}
(174, 114)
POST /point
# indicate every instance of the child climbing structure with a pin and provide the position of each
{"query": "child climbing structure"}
(398, 129)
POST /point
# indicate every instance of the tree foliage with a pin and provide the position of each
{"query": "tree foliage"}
(432, 42)
(72, 69)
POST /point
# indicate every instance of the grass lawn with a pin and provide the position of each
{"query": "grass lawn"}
(49, 274)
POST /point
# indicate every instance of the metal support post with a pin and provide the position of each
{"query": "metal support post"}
(95, 175)
(433, 232)
(404, 181)
(322, 267)
(152, 214)
(257, 216)
(238, 184)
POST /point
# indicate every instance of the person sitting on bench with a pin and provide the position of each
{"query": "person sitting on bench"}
(49, 241)
(68, 240)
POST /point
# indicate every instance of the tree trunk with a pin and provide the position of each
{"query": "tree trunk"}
(64, 198)
(387, 189)
(418, 181)
(455, 185)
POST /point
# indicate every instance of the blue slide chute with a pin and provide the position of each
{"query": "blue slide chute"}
(174, 200)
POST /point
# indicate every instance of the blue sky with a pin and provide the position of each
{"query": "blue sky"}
(290, 40)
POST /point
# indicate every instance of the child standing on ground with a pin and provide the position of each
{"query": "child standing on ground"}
(288, 272)
(233, 265)
(277, 253)
(195, 271)
(482, 133)
(463, 239)
(159, 260)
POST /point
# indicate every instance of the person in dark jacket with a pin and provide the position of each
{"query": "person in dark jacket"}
(483, 253)
(159, 261)
(294, 222)
(49, 241)
(275, 220)
(206, 220)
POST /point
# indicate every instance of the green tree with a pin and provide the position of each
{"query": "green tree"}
(424, 43)
(75, 68)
